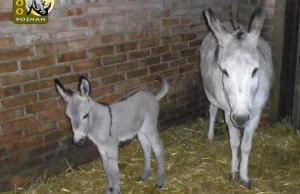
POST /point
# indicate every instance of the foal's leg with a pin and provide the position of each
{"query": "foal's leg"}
(112, 170)
(212, 117)
(146, 146)
(246, 148)
(105, 166)
(149, 129)
(234, 134)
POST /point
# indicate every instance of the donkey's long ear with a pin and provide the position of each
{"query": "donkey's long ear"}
(256, 22)
(64, 93)
(217, 28)
(84, 86)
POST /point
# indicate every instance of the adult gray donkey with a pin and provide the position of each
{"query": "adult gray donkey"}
(237, 74)
(108, 124)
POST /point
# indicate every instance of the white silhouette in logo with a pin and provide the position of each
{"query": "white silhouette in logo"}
(38, 6)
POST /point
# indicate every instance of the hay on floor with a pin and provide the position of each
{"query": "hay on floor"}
(193, 165)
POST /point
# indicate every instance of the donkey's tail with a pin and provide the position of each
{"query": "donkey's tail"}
(164, 88)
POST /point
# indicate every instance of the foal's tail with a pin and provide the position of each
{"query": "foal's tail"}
(164, 88)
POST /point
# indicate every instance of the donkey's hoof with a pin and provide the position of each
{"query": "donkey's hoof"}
(158, 186)
(233, 177)
(246, 184)
(140, 179)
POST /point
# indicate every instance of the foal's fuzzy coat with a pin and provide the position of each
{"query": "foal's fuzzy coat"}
(108, 124)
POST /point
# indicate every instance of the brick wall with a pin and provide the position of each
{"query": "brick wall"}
(119, 45)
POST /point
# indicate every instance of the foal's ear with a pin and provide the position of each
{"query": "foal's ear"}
(64, 93)
(257, 22)
(217, 28)
(84, 86)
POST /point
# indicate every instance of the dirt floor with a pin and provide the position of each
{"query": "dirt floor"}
(193, 165)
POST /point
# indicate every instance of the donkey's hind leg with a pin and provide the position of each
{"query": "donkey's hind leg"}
(149, 129)
(146, 146)
(213, 110)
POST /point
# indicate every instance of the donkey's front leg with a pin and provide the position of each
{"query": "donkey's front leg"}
(234, 134)
(246, 148)
(105, 167)
(112, 169)
(213, 110)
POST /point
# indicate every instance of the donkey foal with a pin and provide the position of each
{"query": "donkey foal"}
(108, 124)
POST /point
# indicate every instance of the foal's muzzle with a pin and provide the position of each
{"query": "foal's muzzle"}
(79, 141)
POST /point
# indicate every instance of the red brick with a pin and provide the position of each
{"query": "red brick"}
(86, 21)
(171, 21)
(110, 98)
(149, 43)
(38, 62)
(24, 144)
(7, 42)
(159, 67)
(127, 66)
(137, 73)
(139, 54)
(11, 114)
(41, 128)
(19, 101)
(112, 38)
(55, 70)
(192, 59)
(8, 138)
(185, 37)
(52, 114)
(58, 135)
(170, 56)
(10, 91)
(75, 11)
(102, 91)
(114, 59)
(53, 25)
(103, 72)
(8, 67)
(17, 78)
(71, 56)
(126, 47)
(64, 123)
(186, 68)
(19, 124)
(47, 94)
(126, 85)
(160, 49)
(188, 52)
(139, 35)
(148, 79)
(5, 16)
(51, 48)
(179, 46)
(113, 78)
(33, 86)
(85, 42)
(15, 54)
(170, 39)
(101, 51)
(41, 106)
(72, 78)
(83, 65)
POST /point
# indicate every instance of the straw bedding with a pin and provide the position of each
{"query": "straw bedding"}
(193, 165)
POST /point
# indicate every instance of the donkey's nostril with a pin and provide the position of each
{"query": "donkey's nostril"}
(240, 120)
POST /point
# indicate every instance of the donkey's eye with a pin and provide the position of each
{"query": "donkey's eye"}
(254, 72)
(225, 72)
(86, 116)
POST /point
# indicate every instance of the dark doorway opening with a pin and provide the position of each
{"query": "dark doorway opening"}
(289, 60)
